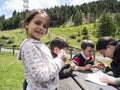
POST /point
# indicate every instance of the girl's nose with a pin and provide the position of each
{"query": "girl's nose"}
(40, 26)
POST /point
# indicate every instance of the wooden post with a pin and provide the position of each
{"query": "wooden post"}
(13, 46)
(70, 49)
(0, 47)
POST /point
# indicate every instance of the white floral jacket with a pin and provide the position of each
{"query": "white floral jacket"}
(40, 68)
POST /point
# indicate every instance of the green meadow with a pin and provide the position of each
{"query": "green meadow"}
(11, 72)
(17, 35)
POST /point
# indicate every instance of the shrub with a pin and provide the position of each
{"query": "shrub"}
(85, 37)
(73, 36)
(9, 41)
(4, 37)
(78, 40)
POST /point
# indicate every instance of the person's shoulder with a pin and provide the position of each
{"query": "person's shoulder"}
(118, 44)
(117, 49)
(26, 42)
(77, 55)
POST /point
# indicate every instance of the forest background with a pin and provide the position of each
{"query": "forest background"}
(74, 23)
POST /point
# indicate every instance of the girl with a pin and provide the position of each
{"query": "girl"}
(41, 70)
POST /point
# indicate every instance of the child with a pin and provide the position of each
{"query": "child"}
(56, 45)
(109, 47)
(84, 59)
(41, 70)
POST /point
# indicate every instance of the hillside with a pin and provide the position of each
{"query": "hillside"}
(16, 36)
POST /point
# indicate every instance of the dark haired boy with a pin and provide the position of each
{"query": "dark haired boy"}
(84, 60)
(56, 45)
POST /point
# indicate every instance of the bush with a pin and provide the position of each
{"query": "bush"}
(78, 40)
(73, 36)
(85, 37)
(9, 41)
(4, 37)
(6, 40)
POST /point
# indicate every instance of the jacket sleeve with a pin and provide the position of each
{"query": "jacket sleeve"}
(76, 60)
(65, 72)
(117, 81)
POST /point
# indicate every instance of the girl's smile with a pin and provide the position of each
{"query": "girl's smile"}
(37, 27)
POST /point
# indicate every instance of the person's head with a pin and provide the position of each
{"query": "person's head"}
(57, 44)
(87, 47)
(36, 24)
(106, 46)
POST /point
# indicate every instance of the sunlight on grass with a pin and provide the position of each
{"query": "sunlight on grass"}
(11, 72)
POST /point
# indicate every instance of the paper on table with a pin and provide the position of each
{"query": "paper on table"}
(94, 77)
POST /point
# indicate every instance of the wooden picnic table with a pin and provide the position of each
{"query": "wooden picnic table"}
(80, 76)
(68, 84)
(77, 82)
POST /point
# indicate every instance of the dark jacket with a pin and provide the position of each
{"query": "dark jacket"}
(66, 71)
(115, 64)
(81, 61)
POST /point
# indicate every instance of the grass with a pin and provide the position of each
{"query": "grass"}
(11, 72)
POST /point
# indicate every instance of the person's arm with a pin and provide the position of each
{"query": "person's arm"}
(76, 62)
(65, 72)
(109, 80)
(83, 68)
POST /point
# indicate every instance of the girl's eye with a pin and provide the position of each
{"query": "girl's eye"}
(37, 23)
(45, 26)
(40, 23)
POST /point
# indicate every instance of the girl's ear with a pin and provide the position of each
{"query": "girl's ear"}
(26, 26)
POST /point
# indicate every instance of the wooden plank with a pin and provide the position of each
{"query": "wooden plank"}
(68, 84)
(86, 85)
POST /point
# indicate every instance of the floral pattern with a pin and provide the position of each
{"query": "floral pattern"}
(40, 68)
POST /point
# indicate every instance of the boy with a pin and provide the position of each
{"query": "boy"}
(56, 45)
(84, 60)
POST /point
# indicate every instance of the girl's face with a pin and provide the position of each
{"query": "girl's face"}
(37, 27)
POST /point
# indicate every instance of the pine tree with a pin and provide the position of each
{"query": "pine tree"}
(107, 26)
(78, 18)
